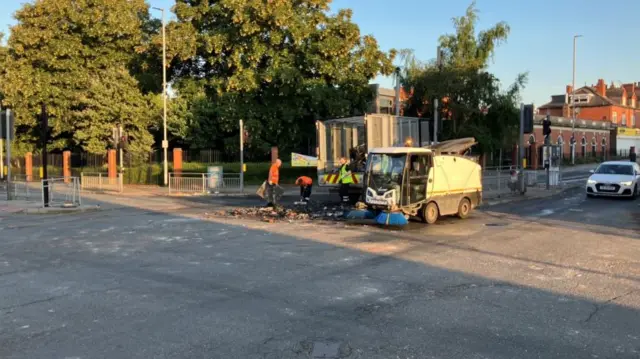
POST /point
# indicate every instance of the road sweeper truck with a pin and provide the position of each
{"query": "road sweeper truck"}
(352, 138)
(423, 182)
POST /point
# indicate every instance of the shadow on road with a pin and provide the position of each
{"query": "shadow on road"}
(137, 282)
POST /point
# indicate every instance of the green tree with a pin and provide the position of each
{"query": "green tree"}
(279, 65)
(471, 100)
(77, 57)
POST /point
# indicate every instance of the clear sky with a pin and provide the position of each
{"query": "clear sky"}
(540, 43)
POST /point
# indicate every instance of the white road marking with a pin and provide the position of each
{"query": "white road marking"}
(546, 212)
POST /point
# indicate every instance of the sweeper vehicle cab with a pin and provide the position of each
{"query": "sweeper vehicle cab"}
(422, 182)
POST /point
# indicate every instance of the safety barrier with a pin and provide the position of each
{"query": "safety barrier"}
(101, 182)
(62, 192)
(186, 182)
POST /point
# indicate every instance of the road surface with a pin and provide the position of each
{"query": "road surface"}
(159, 278)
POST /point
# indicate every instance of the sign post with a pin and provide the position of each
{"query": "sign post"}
(521, 152)
(241, 156)
(8, 133)
(45, 134)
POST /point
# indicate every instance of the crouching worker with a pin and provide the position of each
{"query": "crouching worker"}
(305, 183)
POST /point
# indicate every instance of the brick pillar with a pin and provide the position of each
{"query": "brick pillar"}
(177, 160)
(112, 165)
(534, 156)
(28, 166)
(66, 166)
(274, 154)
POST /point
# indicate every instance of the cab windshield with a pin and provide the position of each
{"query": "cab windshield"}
(385, 170)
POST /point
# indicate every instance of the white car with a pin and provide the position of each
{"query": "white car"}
(614, 178)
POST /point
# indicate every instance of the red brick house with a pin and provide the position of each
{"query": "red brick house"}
(616, 104)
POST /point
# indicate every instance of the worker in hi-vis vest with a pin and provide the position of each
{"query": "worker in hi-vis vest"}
(345, 180)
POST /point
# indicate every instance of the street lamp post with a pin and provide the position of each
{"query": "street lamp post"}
(165, 143)
(572, 102)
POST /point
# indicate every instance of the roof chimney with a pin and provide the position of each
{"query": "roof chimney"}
(569, 89)
(601, 88)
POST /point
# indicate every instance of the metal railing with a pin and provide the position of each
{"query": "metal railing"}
(101, 182)
(62, 192)
(203, 183)
(23, 187)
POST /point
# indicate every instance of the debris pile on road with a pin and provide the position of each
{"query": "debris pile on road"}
(311, 211)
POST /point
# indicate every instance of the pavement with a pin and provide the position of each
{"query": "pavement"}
(159, 277)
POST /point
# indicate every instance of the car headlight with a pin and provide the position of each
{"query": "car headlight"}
(590, 181)
(628, 183)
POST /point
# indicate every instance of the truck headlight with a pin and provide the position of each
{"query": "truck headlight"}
(628, 183)
(590, 181)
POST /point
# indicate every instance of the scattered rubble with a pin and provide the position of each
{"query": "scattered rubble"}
(312, 211)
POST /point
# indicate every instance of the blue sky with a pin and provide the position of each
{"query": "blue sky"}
(540, 42)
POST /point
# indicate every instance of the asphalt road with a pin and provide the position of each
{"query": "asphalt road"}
(157, 278)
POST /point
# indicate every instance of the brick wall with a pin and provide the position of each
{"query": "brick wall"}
(588, 134)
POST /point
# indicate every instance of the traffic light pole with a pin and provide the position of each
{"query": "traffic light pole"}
(45, 132)
(521, 151)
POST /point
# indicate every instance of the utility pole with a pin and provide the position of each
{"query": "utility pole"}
(521, 151)
(8, 140)
(241, 156)
(572, 102)
(439, 61)
(1, 155)
(44, 118)
(165, 143)
(435, 121)
(120, 145)
(397, 91)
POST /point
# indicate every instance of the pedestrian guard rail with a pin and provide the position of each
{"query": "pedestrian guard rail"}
(202, 183)
(62, 192)
(101, 182)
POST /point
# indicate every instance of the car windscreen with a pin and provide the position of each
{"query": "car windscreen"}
(615, 169)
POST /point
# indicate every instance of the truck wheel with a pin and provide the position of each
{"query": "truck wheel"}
(430, 213)
(464, 208)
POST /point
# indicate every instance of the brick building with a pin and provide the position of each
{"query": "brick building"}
(592, 139)
(615, 104)
(384, 100)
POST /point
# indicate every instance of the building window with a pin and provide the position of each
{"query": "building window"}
(614, 119)
(593, 146)
(583, 142)
(633, 120)
(604, 147)
(624, 119)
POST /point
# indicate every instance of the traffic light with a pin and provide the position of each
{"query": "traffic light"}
(546, 126)
(4, 131)
(528, 118)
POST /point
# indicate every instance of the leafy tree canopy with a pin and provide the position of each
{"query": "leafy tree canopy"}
(77, 57)
(471, 100)
(279, 65)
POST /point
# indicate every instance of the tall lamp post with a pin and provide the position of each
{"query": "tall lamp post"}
(165, 143)
(572, 102)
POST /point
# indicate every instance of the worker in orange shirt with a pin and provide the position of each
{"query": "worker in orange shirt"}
(305, 183)
(272, 183)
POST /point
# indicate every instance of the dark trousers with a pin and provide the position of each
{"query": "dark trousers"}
(270, 194)
(305, 191)
(344, 192)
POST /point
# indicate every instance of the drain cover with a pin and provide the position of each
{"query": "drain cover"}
(496, 224)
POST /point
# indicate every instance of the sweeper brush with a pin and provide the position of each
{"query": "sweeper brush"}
(391, 219)
(360, 214)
